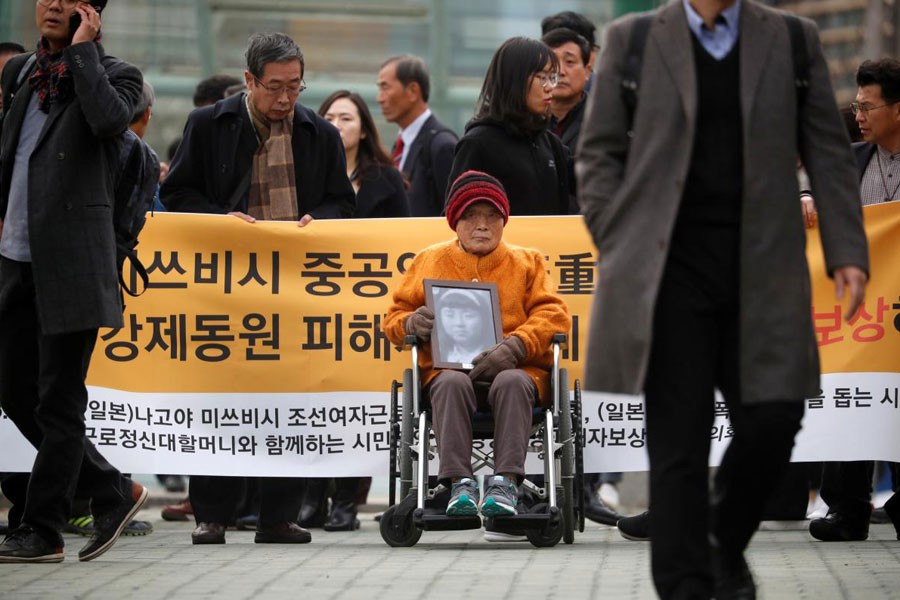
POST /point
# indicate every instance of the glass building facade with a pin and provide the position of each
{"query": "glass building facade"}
(178, 42)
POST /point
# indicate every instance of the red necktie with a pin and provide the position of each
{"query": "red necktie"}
(397, 154)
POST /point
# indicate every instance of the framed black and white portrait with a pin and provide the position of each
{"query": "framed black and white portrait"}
(466, 320)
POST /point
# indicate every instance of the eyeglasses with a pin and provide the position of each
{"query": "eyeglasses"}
(64, 3)
(856, 107)
(551, 79)
(278, 89)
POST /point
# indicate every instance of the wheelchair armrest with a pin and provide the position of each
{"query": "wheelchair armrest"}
(560, 338)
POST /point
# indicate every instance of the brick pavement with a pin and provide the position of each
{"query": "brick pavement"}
(788, 565)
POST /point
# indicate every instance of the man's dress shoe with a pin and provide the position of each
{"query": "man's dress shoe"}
(342, 518)
(597, 511)
(208, 533)
(282, 533)
(836, 527)
(892, 508)
(636, 528)
(732, 578)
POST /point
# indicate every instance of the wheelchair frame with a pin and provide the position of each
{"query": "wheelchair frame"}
(559, 508)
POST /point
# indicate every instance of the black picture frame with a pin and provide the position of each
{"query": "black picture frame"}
(466, 320)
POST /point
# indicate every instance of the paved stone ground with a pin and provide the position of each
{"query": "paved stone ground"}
(788, 565)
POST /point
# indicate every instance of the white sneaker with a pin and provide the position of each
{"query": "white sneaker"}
(491, 535)
(609, 494)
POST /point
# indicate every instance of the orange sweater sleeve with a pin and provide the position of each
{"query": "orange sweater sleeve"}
(547, 313)
(409, 295)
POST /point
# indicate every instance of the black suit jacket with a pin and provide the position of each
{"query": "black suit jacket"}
(863, 152)
(72, 174)
(573, 121)
(381, 194)
(427, 189)
(217, 151)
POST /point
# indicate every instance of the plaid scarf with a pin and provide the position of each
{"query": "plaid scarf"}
(51, 79)
(273, 188)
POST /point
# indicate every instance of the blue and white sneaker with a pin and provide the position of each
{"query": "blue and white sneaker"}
(463, 499)
(501, 496)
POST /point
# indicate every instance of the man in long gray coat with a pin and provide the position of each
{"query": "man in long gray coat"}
(66, 107)
(703, 280)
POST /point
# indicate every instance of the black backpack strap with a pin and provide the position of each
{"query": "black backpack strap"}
(24, 71)
(131, 163)
(428, 135)
(631, 72)
(800, 57)
(22, 66)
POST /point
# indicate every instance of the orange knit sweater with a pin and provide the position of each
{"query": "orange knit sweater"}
(529, 307)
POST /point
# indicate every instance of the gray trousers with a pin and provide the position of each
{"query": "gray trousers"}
(454, 400)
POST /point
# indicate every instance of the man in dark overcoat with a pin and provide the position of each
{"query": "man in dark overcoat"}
(259, 155)
(702, 275)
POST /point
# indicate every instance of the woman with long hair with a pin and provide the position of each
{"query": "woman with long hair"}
(509, 139)
(380, 192)
(380, 189)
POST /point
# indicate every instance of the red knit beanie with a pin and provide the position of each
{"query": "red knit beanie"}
(471, 187)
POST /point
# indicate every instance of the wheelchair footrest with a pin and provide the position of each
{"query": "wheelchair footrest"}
(441, 522)
(525, 521)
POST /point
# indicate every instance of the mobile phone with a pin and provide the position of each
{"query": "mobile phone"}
(74, 24)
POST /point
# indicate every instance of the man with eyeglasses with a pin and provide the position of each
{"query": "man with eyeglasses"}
(847, 486)
(691, 199)
(259, 155)
(66, 106)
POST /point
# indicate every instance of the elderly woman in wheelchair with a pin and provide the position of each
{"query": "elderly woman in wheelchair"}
(506, 378)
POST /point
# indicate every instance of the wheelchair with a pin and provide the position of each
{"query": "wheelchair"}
(556, 436)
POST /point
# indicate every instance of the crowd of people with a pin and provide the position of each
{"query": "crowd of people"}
(697, 221)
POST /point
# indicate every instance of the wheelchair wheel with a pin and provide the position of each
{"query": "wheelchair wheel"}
(398, 532)
(567, 460)
(578, 423)
(406, 435)
(550, 535)
(394, 432)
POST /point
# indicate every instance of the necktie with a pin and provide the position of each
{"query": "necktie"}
(397, 154)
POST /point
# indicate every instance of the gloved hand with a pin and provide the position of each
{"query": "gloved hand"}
(505, 355)
(420, 323)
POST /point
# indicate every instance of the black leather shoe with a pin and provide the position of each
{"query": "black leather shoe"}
(314, 510)
(835, 527)
(208, 533)
(879, 516)
(24, 545)
(282, 533)
(892, 509)
(108, 526)
(732, 578)
(636, 528)
(598, 512)
(342, 517)
(313, 516)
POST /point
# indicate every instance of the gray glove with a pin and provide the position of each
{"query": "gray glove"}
(505, 355)
(420, 323)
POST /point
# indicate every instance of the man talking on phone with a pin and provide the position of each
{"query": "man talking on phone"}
(66, 106)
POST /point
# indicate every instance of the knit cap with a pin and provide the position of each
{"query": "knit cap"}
(471, 187)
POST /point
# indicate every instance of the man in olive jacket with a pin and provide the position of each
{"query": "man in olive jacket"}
(702, 274)
(59, 154)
